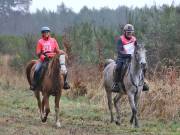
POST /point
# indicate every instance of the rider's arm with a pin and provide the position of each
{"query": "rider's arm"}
(56, 46)
(119, 46)
(39, 49)
(57, 50)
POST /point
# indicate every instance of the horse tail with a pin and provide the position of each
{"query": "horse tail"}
(28, 70)
(107, 62)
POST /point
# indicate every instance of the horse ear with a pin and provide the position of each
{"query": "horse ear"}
(142, 46)
(139, 46)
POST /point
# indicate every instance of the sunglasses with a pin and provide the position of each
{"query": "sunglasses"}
(129, 32)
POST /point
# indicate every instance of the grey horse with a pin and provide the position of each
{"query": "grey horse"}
(133, 83)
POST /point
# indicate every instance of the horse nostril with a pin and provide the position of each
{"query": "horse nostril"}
(143, 65)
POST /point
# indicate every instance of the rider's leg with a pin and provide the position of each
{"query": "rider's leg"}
(66, 85)
(117, 76)
(64, 70)
(36, 76)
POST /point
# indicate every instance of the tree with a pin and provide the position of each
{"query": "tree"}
(8, 6)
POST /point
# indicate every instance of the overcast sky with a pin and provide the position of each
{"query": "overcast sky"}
(76, 5)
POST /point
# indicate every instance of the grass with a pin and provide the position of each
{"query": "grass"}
(19, 116)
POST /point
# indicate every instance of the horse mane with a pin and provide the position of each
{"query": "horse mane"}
(140, 46)
(54, 72)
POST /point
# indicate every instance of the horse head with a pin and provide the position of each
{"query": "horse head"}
(140, 55)
(54, 65)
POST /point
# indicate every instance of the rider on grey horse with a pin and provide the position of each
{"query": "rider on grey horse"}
(125, 48)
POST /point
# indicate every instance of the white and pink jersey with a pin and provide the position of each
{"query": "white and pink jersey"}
(128, 46)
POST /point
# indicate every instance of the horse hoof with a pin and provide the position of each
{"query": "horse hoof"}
(136, 126)
(58, 124)
(118, 123)
(44, 120)
(112, 121)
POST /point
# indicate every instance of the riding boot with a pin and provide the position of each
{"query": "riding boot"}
(34, 81)
(66, 85)
(145, 87)
(117, 82)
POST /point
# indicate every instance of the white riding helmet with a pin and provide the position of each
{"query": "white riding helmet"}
(129, 28)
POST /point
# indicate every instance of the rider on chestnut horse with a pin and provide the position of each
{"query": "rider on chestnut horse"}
(47, 48)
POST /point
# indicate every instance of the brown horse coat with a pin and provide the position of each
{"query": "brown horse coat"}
(52, 83)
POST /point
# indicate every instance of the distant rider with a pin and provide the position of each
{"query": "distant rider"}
(124, 49)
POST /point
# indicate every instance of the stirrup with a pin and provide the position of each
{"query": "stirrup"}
(32, 87)
(145, 87)
(66, 86)
(116, 87)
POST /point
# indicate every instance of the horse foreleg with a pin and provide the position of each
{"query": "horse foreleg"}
(109, 97)
(57, 99)
(37, 95)
(136, 98)
(133, 108)
(42, 106)
(117, 107)
(46, 107)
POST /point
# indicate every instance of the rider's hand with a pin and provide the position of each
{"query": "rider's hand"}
(61, 52)
(42, 57)
(46, 58)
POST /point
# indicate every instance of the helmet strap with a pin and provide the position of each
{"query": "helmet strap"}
(126, 36)
(45, 38)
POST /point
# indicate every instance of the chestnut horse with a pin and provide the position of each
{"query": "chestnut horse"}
(51, 83)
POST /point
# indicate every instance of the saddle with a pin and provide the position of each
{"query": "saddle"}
(125, 66)
(41, 72)
(124, 69)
